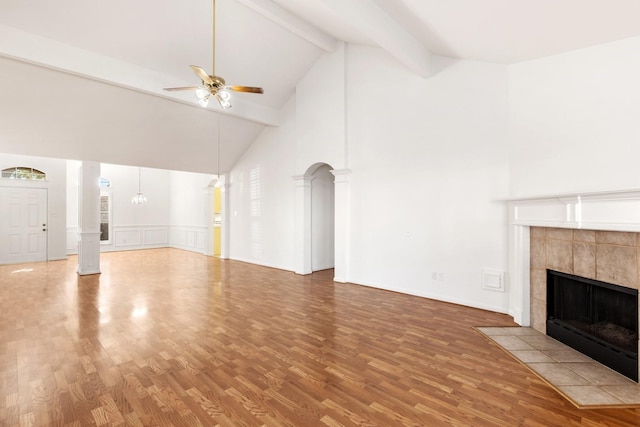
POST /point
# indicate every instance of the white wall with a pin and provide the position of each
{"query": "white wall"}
(55, 184)
(429, 169)
(153, 183)
(189, 209)
(72, 215)
(321, 113)
(574, 121)
(261, 196)
(138, 226)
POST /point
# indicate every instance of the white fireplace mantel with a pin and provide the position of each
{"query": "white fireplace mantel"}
(611, 211)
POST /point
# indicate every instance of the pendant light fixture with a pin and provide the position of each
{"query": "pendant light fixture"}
(139, 198)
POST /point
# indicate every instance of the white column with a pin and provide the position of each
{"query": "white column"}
(342, 229)
(89, 218)
(225, 219)
(302, 245)
(519, 283)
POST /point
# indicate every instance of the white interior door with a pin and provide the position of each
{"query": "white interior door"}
(23, 225)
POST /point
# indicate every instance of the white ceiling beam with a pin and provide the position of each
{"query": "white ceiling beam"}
(383, 30)
(33, 49)
(291, 22)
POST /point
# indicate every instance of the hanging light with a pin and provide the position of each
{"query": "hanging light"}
(139, 198)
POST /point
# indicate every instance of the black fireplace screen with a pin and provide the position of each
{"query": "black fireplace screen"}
(597, 318)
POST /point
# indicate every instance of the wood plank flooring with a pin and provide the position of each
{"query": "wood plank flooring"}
(172, 338)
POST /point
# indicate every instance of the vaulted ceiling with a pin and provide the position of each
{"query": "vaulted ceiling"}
(83, 79)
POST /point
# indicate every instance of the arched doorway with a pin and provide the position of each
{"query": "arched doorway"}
(315, 219)
(322, 219)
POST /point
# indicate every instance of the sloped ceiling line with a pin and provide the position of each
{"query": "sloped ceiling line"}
(363, 15)
(368, 18)
(290, 22)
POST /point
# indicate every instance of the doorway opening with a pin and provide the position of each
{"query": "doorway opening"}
(322, 219)
(217, 221)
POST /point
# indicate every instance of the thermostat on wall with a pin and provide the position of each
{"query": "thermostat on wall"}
(493, 280)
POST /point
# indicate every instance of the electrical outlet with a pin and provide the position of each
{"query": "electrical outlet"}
(441, 276)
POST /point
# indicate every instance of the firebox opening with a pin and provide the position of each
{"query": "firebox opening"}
(596, 318)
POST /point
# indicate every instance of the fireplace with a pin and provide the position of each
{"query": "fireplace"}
(596, 318)
(594, 235)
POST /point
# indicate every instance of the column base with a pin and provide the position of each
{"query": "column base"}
(89, 254)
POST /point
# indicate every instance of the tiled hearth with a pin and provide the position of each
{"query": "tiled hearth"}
(583, 381)
(608, 256)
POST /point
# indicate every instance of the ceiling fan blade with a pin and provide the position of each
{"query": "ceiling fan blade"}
(171, 89)
(202, 74)
(246, 89)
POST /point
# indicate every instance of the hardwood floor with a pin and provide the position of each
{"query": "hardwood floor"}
(167, 337)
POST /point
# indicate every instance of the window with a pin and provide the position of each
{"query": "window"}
(105, 210)
(22, 172)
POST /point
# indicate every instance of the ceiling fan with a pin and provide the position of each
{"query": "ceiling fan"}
(212, 85)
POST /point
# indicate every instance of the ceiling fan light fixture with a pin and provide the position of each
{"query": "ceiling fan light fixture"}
(202, 92)
(224, 103)
(204, 101)
(224, 94)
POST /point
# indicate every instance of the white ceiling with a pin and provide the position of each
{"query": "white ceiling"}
(106, 48)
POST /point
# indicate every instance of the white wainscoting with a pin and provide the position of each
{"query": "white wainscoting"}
(132, 237)
(189, 238)
(138, 237)
(126, 237)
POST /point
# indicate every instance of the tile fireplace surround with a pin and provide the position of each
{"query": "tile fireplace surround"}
(608, 256)
(593, 235)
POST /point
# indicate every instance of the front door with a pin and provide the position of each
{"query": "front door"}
(23, 225)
